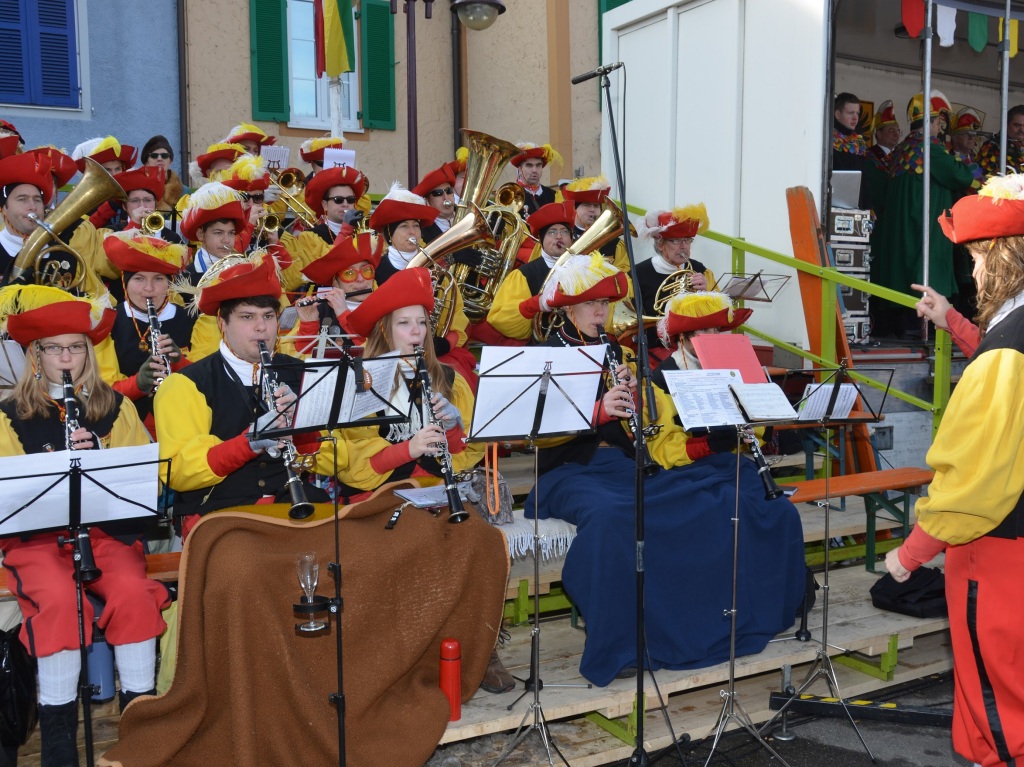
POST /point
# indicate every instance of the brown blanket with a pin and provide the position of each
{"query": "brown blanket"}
(248, 691)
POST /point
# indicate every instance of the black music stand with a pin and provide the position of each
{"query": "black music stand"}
(549, 399)
(101, 500)
(822, 665)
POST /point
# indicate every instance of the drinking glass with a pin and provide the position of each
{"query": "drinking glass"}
(308, 569)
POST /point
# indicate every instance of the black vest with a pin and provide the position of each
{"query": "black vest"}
(1008, 334)
(534, 202)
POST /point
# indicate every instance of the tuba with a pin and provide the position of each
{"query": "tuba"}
(291, 182)
(479, 282)
(609, 225)
(472, 229)
(45, 258)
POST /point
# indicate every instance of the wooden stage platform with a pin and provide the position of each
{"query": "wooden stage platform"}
(693, 696)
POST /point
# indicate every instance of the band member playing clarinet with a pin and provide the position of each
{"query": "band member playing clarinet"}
(589, 481)
(147, 265)
(58, 334)
(208, 413)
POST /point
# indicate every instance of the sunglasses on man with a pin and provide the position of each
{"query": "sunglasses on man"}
(441, 192)
(160, 155)
(339, 199)
(351, 275)
(256, 198)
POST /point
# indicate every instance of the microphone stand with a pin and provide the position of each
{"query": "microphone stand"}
(644, 389)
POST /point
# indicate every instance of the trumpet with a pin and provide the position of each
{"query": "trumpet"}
(154, 342)
(300, 508)
(87, 570)
(650, 467)
(456, 512)
(152, 223)
(268, 222)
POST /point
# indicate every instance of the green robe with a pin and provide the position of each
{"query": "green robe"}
(897, 259)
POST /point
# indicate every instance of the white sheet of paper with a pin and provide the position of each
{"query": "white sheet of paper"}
(318, 385)
(817, 396)
(276, 156)
(703, 398)
(511, 374)
(137, 483)
(335, 158)
(434, 497)
(741, 286)
(12, 362)
(764, 402)
(356, 405)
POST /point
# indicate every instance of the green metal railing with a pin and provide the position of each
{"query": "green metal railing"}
(831, 280)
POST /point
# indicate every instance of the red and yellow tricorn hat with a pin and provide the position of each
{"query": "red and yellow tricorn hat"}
(400, 205)
(443, 176)
(249, 132)
(688, 221)
(592, 189)
(214, 152)
(967, 120)
(328, 178)
(545, 152)
(32, 312)
(409, 287)
(312, 150)
(997, 210)
(62, 166)
(105, 149)
(211, 202)
(885, 115)
(253, 275)
(248, 173)
(28, 168)
(585, 278)
(347, 250)
(458, 165)
(148, 177)
(702, 310)
(131, 251)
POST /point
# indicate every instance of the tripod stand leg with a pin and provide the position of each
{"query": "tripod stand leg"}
(829, 671)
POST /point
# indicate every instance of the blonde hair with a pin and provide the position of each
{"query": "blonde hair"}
(379, 342)
(1002, 274)
(32, 398)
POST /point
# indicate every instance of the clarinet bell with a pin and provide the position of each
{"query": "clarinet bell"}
(457, 515)
(88, 571)
(301, 508)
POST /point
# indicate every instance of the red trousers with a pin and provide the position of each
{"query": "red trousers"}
(985, 594)
(41, 576)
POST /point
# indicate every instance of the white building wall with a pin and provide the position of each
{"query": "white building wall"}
(723, 105)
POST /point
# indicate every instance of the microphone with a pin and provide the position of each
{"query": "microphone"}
(599, 72)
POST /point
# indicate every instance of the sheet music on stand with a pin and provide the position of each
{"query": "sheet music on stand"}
(337, 158)
(12, 362)
(276, 156)
(509, 391)
(751, 287)
(703, 398)
(817, 403)
(327, 397)
(36, 487)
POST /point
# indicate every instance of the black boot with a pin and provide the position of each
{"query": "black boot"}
(58, 730)
(124, 698)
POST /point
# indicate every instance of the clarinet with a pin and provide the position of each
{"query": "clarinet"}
(771, 488)
(87, 570)
(154, 343)
(456, 513)
(650, 467)
(301, 507)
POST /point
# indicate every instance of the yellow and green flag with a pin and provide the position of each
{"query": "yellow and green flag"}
(334, 37)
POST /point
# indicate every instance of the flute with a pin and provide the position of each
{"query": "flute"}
(310, 300)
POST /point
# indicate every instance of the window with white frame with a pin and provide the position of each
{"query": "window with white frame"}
(310, 95)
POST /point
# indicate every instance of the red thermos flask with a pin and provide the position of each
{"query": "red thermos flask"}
(451, 675)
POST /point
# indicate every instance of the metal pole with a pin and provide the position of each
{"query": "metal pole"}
(456, 84)
(1004, 87)
(926, 201)
(825, 201)
(410, 68)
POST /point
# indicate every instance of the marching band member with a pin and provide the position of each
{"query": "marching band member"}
(394, 319)
(518, 299)
(588, 480)
(401, 218)
(207, 413)
(437, 188)
(217, 157)
(588, 195)
(62, 167)
(312, 152)
(250, 137)
(530, 164)
(688, 315)
(330, 194)
(147, 265)
(58, 333)
(973, 510)
(157, 153)
(114, 156)
(348, 268)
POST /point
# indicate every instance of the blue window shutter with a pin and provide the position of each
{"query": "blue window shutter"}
(377, 45)
(14, 67)
(51, 41)
(268, 37)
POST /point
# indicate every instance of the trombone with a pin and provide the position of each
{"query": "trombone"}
(291, 182)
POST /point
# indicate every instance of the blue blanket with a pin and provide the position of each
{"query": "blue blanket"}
(688, 560)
